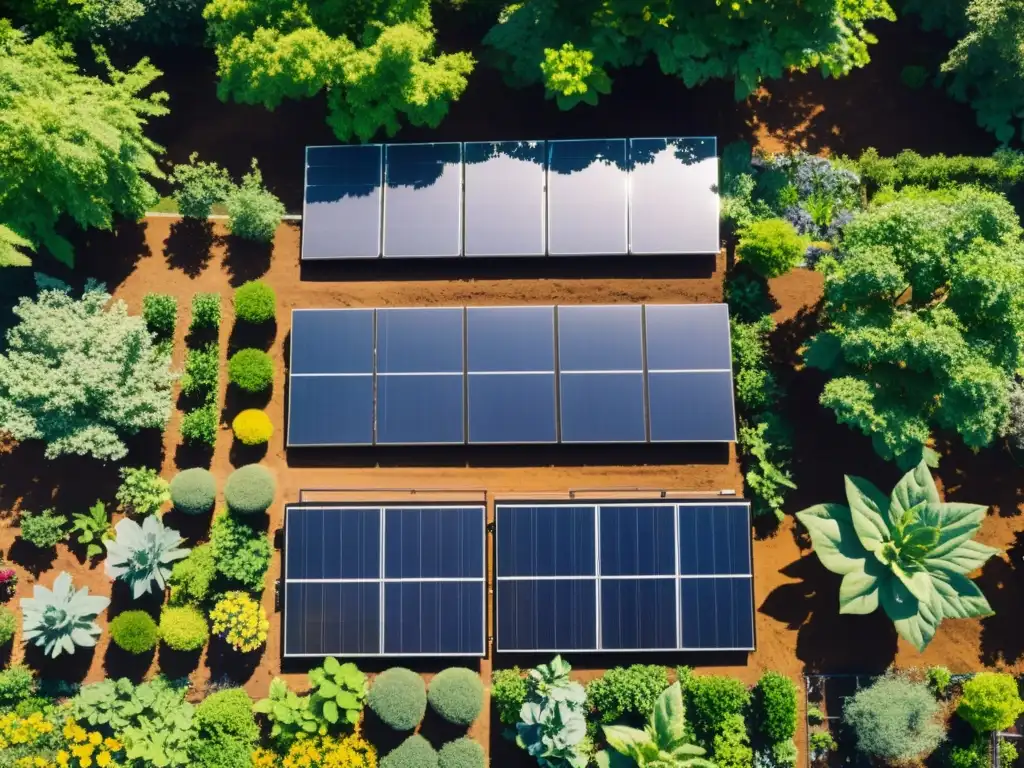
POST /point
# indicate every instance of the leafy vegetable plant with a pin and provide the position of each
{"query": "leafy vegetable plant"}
(93, 527)
(552, 722)
(143, 554)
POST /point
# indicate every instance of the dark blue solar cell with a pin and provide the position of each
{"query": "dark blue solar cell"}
(332, 619)
(423, 200)
(505, 198)
(692, 407)
(419, 340)
(545, 541)
(587, 197)
(332, 543)
(330, 410)
(332, 341)
(515, 408)
(638, 541)
(361, 161)
(688, 337)
(553, 616)
(433, 542)
(714, 540)
(430, 617)
(673, 205)
(419, 409)
(510, 338)
(717, 614)
(638, 613)
(602, 408)
(342, 211)
(600, 338)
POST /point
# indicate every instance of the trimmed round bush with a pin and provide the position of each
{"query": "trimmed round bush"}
(183, 628)
(399, 698)
(462, 753)
(990, 702)
(414, 752)
(251, 369)
(194, 491)
(227, 715)
(8, 625)
(255, 302)
(134, 632)
(771, 247)
(457, 695)
(895, 720)
(252, 427)
(250, 489)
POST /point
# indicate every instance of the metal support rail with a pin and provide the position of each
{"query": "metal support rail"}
(409, 491)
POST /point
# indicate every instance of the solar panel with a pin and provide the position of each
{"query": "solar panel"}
(394, 580)
(624, 576)
(423, 200)
(587, 197)
(505, 198)
(342, 212)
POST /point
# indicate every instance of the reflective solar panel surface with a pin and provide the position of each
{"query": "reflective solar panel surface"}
(396, 580)
(505, 198)
(588, 197)
(342, 212)
(423, 202)
(629, 576)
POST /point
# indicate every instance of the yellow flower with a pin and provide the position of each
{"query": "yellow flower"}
(112, 744)
(62, 758)
(95, 738)
(103, 759)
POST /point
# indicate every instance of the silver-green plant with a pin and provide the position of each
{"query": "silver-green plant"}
(142, 554)
(60, 618)
(909, 553)
(552, 721)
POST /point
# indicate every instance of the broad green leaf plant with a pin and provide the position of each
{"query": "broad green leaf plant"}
(910, 553)
(142, 554)
(552, 722)
(92, 528)
(59, 618)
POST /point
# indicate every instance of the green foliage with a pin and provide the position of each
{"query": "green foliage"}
(552, 723)
(756, 388)
(939, 680)
(17, 683)
(205, 311)
(183, 628)
(200, 425)
(142, 491)
(254, 212)
(93, 527)
(766, 444)
(198, 186)
(770, 247)
(119, 22)
(160, 311)
(250, 490)
(911, 553)
(820, 743)
(627, 691)
(977, 754)
(775, 699)
(255, 302)
(242, 553)
(814, 715)
(194, 491)
(1001, 171)
(80, 375)
(914, 76)
(399, 698)
(710, 699)
(142, 554)
(748, 296)
(11, 245)
(462, 753)
(226, 714)
(732, 744)
(783, 754)
(895, 720)
(8, 625)
(202, 372)
(508, 692)
(251, 370)
(59, 618)
(414, 752)
(457, 695)
(191, 578)
(73, 143)
(134, 631)
(44, 529)
(990, 702)
(571, 77)
(220, 753)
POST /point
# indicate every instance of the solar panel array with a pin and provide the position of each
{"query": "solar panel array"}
(509, 375)
(511, 198)
(616, 577)
(384, 581)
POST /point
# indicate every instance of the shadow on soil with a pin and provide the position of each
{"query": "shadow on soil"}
(246, 335)
(178, 664)
(189, 246)
(119, 663)
(65, 668)
(245, 260)
(1002, 583)
(225, 663)
(188, 455)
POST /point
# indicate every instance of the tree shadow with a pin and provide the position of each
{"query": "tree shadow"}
(245, 260)
(248, 335)
(988, 476)
(1002, 583)
(189, 246)
(110, 256)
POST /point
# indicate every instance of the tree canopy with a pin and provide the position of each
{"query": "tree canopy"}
(571, 45)
(375, 59)
(71, 144)
(114, 21)
(925, 320)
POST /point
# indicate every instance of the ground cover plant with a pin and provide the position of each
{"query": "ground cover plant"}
(183, 628)
(92, 528)
(44, 530)
(142, 491)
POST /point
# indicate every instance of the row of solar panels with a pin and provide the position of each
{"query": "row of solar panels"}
(410, 580)
(511, 198)
(508, 375)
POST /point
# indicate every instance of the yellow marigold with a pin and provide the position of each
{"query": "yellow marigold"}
(241, 621)
(351, 751)
(103, 759)
(112, 744)
(16, 730)
(252, 427)
(63, 758)
(263, 758)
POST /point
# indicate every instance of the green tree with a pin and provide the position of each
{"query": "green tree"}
(378, 63)
(71, 144)
(571, 47)
(925, 315)
(10, 245)
(114, 21)
(254, 212)
(81, 375)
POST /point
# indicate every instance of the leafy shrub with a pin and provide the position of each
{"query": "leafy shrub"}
(194, 491)
(60, 618)
(626, 691)
(1001, 171)
(990, 702)
(241, 621)
(140, 555)
(160, 311)
(8, 625)
(251, 370)
(399, 698)
(254, 212)
(250, 489)
(227, 714)
(977, 754)
(43, 529)
(508, 692)
(414, 752)
(183, 628)
(17, 683)
(93, 527)
(895, 719)
(552, 721)
(134, 631)
(771, 247)
(756, 388)
(457, 695)
(198, 186)
(820, 743)
(241, 552)
(732, 744)
(220, 753)
(747, 295)
(255, 302)
(252, 427)
(205, 311)
(202, 372)
(191, 578)
(710, 699)
(814, 715)
(784, 753)
(939, 680)
(200, 425)
(775, 697)
(1015, 424)
(142, 491)
(462, 753)
(665, 734)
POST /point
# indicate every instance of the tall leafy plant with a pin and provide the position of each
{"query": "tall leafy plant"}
(92, 528)
(909, 553)
(59, 619)
(142, 554)
(552, 722)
